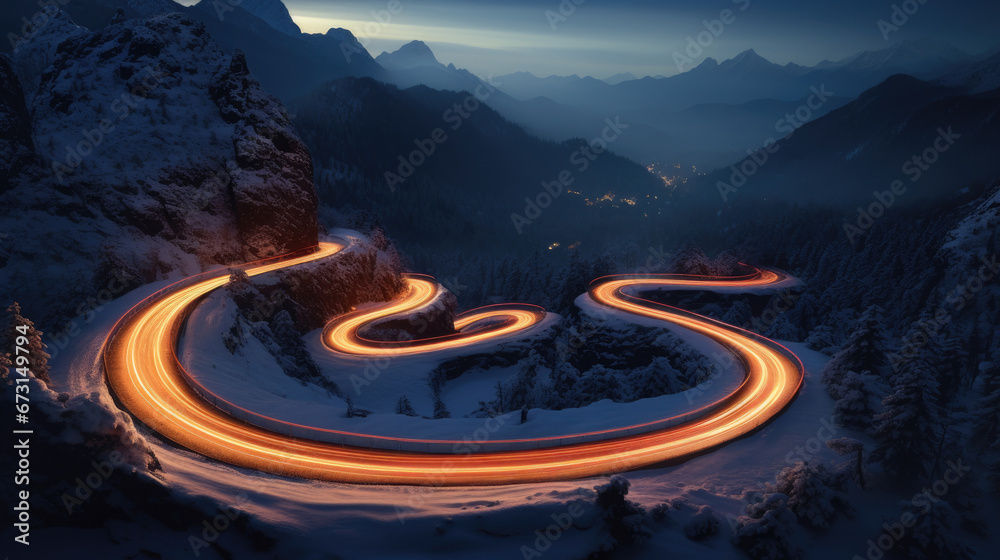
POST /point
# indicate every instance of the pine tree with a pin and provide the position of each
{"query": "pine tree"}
(521, 393)
(657, 379)
(440, 410)
(865, 350)
(814, 494)
(766, 532)
(351, 411)
(986, 426)
(782, 329)
(403, 406)
(18, 327)
(933, 532)
(850, 446)
(691, 260)
(859, 400)
(949, 356)
(823, 339)
(623, 518)
(563, 387)
(739, 314)
(907, 430)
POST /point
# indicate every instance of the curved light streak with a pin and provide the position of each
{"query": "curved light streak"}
(146, 376)
(488, 323)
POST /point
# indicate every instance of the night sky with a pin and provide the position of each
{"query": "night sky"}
(640, 36)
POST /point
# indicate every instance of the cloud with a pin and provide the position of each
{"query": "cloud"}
(601, 38)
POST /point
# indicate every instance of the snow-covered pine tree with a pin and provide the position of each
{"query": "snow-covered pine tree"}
(849, 446)
(623, 518)
(766, 532)
(933, 534)
(739, 314)
(691, 260)
(823, 339)
(656, 379)
(563, 387)
(403, 406)
(815, 495)
(948, 356)
(782, 329)
(597, 384)
(858, 404)
(986, 424)
(907, 431)
(865, 350)
(16, 327)
(521, 394)
(704, 523)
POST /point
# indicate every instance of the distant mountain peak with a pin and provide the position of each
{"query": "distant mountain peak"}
(911, 56)
(746, 61)
(748, 56)
(707, 64)
(620, 77)
(273, 13)
(411, 55)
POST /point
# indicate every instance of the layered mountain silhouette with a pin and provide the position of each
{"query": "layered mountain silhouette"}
(936, 137)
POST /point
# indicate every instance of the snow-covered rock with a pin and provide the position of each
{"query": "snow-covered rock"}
(157, 155)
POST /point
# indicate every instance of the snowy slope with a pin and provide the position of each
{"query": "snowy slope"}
(154, 152)
(314, 519)
(975, 77)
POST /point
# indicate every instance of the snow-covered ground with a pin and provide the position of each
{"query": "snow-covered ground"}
(254, 381)
(460, 523)
(317, 519)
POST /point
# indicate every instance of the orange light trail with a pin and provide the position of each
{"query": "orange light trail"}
(343, 334)
(146, 376)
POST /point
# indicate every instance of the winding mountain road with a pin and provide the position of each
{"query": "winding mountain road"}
(143, 370)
